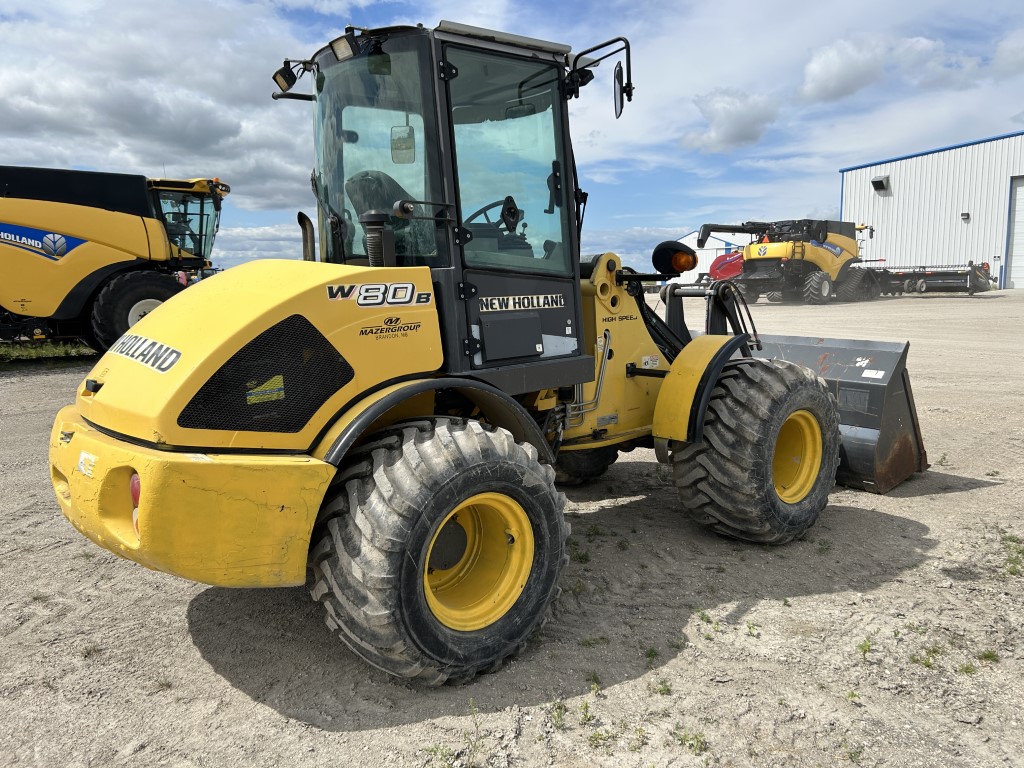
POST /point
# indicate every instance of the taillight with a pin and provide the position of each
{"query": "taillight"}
(136, 488)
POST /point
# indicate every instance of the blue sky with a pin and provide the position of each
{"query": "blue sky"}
(742, 110)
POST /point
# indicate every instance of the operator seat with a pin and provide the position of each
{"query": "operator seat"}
(375, 191)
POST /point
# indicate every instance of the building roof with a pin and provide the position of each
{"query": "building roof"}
(932, 151)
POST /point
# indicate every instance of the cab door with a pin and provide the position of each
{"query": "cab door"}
(520, 282)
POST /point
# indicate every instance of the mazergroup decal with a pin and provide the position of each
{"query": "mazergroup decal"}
(390, 328)
(509, 303)
(49, 245)
(159, 357)
(379, 294)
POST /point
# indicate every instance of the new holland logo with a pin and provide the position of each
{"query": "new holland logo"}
(49, 245)
(160, 357)
(835, 250)
(762, 250)
(507, 303)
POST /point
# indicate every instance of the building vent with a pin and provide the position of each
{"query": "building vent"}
(880, 184)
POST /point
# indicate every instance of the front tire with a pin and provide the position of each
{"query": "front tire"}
(440, 550)
(127, 299)
(769, 456)
(818, 288)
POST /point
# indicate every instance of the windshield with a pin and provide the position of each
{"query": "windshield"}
(376, 144)
(191, 221)
(507, 117)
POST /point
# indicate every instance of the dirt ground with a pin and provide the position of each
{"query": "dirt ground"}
(890, 635)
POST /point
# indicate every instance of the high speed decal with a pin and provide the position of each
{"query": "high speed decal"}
(159, 357)
(379, 294)
(49, 245)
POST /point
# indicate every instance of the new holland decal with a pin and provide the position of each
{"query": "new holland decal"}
(509, 303)
(160, 357)
(49, 245)
(834, 249)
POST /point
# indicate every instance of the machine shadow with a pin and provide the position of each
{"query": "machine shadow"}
(639, 572)
(932, 483)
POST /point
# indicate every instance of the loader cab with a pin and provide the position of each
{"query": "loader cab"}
(449, 149)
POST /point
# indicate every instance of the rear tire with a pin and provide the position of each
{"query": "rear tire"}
(578, 467)
(414, 513)
(769, 456)
(818, 288)
(774, 297)
(851, 288)
(126, 299)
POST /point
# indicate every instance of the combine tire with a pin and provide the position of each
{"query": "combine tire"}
(127, 299)
(852, 286)
(749, 293)
(769, 455)
(578, 467)
(818, 288)
(439, 550)
(775, 297)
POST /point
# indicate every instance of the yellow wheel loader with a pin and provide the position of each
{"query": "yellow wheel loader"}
(807, 260)
(86, 254)
(387, 422)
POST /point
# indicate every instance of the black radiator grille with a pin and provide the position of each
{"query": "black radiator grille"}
(275, 383)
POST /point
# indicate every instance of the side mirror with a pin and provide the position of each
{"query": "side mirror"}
(403, 144)
(620, 99)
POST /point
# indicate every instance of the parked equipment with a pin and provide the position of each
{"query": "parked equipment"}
(86, 254)
(387, 423)
(972, 278)
(807, 260)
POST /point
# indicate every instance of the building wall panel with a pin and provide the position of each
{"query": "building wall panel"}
(918, 221)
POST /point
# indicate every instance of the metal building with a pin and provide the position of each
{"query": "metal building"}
(944, 207)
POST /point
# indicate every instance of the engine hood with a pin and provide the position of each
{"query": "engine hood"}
(262, 356)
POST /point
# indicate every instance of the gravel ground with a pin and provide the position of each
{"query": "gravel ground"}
(889, 635)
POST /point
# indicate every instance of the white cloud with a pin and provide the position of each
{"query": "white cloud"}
(734, 119)
(1008, 60)
(235, 245)
(841, 69)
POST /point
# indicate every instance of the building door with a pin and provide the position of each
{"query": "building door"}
(1015, 249)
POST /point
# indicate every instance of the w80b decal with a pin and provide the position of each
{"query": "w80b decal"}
(379, 294)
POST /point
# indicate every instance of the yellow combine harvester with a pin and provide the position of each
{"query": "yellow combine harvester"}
(386, 423)
(85, 254)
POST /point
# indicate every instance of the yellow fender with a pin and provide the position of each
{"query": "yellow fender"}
(685, 392)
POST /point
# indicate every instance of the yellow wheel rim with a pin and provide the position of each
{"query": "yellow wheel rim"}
(478, 562)
(797, 457)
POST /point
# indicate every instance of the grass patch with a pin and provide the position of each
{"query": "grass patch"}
(694, 741)
(558, 710)
(43, 350)
(990, 656)
(92, 649)
(576, 554)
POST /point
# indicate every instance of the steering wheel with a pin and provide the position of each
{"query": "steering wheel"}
(484, 211)
(511, 214)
